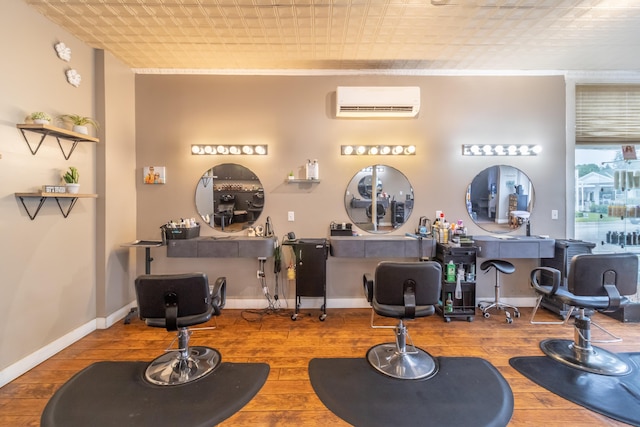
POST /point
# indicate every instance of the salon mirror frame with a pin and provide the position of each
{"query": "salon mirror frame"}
(495, 193)
(395, 197)
(229, 197)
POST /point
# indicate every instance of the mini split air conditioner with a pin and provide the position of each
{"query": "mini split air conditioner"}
(377, 101)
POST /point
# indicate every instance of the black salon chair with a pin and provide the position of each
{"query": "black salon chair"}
(501, 267)
(403, 290)
(175, 302)
(223, 215)
(596, 282)
(380, 212)
(255, 205)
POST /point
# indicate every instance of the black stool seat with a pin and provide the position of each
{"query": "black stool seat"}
(504, 267)
(501, 265)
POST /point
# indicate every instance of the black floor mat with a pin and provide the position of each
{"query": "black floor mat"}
(115, 394)
(466, 391)
(614, 397)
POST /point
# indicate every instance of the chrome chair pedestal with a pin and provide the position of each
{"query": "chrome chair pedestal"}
(183, 365)
(595, 360)
(394, 360)
(580, 354)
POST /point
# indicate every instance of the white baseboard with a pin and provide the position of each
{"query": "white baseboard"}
(110, 320)
(12, 372)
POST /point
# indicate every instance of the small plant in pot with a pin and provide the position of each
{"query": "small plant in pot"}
(79, 123)
(71, 178)
(40, 118)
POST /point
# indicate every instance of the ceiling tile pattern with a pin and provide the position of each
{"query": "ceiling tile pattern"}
(357, 34)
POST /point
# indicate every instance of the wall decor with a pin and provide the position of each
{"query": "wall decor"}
(63, 51)
(73, 77)
(154, 175)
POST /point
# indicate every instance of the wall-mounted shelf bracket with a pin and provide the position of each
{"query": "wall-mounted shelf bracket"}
(73, 198)
(57, 133)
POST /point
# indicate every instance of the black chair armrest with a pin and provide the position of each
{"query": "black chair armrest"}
(556, 279)
(219, 295)
(367, 283)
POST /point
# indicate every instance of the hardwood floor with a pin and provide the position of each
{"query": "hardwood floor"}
(287, 399)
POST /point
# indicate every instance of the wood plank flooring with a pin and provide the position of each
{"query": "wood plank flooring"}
(287, 399)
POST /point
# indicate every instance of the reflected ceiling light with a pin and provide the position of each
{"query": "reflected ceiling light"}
(228, 149)
(499, 150)
(377, 150)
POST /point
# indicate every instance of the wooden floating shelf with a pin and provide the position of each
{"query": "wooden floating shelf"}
(72, 197)
(56, 132)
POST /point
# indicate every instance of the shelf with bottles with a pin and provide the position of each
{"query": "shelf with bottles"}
(458, 294)
(613, 201)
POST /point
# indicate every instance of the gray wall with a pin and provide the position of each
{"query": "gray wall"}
(295, 117)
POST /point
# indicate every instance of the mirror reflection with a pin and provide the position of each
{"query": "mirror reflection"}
(229, 197)
(500, 198)
(388, 208)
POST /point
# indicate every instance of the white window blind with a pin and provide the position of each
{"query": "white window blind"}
(607, 113)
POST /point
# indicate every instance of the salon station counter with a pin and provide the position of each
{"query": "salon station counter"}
(381, 247)
(515, 247)
(221, 247)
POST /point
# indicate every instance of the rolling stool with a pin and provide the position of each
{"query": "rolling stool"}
(505, 267)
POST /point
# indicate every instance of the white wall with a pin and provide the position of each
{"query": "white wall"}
(48, 266)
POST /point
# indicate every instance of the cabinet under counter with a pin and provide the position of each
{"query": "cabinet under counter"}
(221, 247)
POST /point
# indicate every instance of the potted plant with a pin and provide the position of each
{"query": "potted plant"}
(79, 123)
(71, 178)
(291, 176)
(40, 118)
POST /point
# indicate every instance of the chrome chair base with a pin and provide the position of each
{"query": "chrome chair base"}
(486, 306)
(173, 368)
(412, 365)
(594, 359)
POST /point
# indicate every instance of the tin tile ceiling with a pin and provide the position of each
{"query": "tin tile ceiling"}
(590, 35)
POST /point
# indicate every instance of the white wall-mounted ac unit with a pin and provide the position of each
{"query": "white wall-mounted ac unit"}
(377, 101)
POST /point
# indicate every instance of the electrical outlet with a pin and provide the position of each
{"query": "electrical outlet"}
(554, 214)
(291, 216)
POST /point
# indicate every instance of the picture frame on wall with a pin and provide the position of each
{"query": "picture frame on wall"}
(154, 175)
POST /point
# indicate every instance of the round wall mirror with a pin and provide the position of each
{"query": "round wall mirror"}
(229, 197)
(388, 208)
(500, 199)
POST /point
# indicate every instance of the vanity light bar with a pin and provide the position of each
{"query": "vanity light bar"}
(501, 150)
(249, 150)
(377, 150)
